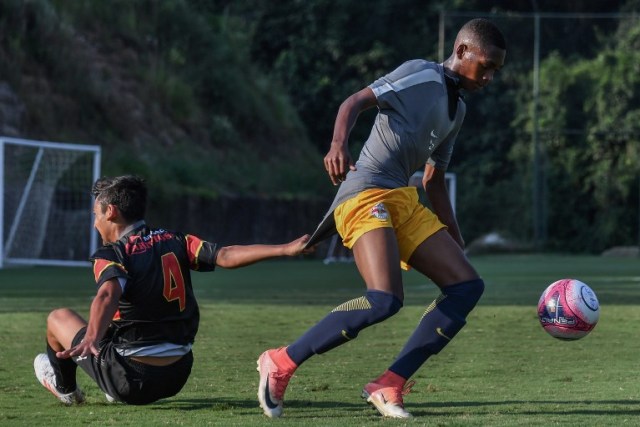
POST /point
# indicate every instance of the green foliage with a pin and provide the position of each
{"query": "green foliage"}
(239, 98)
(590, 129)
(325, 50)
(589, 134)
(493, 186)
(166, 88)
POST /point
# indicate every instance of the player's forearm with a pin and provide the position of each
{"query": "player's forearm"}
(345, 120)
(103, 308)
(239, 256)
(442, 208)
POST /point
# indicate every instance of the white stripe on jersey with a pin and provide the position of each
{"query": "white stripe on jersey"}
(423, 76)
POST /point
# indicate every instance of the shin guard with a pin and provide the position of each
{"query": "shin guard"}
(442, 320)
(344, 323)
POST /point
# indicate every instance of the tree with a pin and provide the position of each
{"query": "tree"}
(590, 126)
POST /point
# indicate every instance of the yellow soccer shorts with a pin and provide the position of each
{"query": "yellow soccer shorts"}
(397, 208)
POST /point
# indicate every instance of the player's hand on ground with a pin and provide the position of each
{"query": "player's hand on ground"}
(338, 162)
(298, 246)
(84, 349)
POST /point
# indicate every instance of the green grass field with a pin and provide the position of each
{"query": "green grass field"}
(501, 370)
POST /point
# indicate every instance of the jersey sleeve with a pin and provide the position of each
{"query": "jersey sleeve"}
(202, 254)
(441, 156)
(391, 89)
(106, 266)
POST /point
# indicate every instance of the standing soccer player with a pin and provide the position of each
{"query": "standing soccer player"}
(144, 317)
(379, 216)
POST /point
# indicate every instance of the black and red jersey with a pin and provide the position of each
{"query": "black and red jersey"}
(158, 304)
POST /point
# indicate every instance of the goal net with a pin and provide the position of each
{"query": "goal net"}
(45, 202)
(338, 253)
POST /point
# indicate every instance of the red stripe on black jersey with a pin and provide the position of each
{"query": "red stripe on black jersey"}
(193, 249)
(202, 254)
(102, 265)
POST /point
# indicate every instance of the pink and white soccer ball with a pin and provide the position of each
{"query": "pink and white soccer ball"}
(568, 309)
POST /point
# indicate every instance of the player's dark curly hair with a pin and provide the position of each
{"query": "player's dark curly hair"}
(486, 31)
(128, 193)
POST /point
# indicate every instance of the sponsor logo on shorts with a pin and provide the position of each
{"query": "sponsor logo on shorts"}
(380, 211)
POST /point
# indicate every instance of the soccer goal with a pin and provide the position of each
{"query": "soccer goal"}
(338, 253)
(46, 203)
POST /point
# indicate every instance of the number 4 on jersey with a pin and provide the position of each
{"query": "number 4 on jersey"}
(173, 280)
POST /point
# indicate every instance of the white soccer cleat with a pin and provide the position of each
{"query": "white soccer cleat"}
(387, 399)
(110, 399)
(44, 374)
(273, 384)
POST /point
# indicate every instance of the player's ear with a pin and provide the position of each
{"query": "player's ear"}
(461, 49)
(112, 212)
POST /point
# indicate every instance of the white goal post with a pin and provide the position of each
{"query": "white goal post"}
(46, 203)
(337, 253)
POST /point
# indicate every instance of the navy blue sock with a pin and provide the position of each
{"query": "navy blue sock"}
(65, 371)
(343, 324)
(442, 320)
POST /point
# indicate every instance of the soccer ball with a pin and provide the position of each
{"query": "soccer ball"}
(568, 309)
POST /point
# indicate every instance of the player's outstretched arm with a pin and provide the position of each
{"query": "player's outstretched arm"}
(241, 255)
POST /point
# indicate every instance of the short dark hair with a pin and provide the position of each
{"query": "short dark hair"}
(128, 193)
(486, 32)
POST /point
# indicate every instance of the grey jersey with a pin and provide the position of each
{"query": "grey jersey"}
(412, 127)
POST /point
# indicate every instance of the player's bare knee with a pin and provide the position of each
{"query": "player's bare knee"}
(59, 316)
(56, 315)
